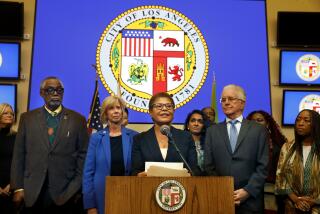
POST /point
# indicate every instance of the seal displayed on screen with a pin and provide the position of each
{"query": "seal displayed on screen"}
(311, 101)
(151, 49)
(171, 195)
(308, 67)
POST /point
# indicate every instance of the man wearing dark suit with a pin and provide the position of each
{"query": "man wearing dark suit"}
(238, 148)
(49, 153)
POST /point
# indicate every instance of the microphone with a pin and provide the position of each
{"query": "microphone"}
(165, 130)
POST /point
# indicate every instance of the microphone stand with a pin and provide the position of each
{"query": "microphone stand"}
(171, 141)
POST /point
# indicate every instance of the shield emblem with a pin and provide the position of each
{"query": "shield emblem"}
(152, 60)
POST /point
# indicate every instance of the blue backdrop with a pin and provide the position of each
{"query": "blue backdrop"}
(8, 95)
(67, 33)
(9, 60)
(291, 102)
(288, 73)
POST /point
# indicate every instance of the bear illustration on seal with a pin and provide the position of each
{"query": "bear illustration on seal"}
(170, 41)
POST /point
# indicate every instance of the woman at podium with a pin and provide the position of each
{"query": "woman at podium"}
(109, 154)
(158, 143)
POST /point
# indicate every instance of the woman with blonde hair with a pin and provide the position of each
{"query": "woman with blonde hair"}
(7, 138)
(109, 154)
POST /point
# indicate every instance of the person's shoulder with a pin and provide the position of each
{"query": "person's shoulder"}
(180, 132)
(130, 131)
(31, 113)
(254, 124)
(98, 134)
(145, 134)
(216, 126)
(287, 145)
(73, 113)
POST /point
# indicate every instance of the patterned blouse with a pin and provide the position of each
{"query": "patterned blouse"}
(293, 176)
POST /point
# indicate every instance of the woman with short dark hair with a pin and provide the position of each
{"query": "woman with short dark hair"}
(152, 146)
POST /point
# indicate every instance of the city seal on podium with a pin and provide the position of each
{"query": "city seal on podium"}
(170, 195)
(151, 49)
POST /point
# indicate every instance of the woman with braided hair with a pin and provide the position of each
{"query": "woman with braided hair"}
(299, 166)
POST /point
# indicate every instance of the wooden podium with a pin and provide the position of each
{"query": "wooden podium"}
(137, 195)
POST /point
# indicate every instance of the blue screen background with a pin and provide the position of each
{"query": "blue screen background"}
(288, 67)
(67, 34)
(9, 67)
(291, 101)
(8, 95)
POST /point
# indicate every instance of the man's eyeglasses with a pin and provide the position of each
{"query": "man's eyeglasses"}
(51, 90)
(230, 99)
(160, 106)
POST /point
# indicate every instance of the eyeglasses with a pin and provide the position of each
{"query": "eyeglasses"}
(51, 90)
(230, 99)
(160, 106)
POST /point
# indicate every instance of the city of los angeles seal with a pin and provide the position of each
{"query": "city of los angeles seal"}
(151, 49)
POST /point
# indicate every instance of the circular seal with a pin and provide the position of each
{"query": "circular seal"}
(170, 195)
(308, 67)
(311, 101)
(151, 49)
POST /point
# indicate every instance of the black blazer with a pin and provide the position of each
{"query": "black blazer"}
(145, 148)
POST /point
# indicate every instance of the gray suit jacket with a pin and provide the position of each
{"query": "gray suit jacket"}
(34, 158)
(248, 163)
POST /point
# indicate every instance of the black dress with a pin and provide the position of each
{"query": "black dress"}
(6, 150)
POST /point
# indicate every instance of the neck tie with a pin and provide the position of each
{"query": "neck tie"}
(233, 134)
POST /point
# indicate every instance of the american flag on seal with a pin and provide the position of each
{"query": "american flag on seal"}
(137, 43)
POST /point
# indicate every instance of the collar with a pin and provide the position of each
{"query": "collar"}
(55, 112)
(240, 119)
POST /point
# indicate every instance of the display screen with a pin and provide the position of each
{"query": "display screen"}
(295, 101)
(8, 94)
(9, 60)
(67, 36)
(298, 29)
(11, 20)
(300, 68)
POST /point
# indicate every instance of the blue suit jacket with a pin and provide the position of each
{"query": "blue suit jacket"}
(145, 148)
(97, 166)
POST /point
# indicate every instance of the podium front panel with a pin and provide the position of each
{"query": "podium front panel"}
(137, 195)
